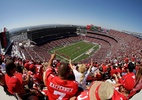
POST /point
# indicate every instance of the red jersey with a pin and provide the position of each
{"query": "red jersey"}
(39, 71)
(59, 89)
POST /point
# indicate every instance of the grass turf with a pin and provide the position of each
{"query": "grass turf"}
(76, 51)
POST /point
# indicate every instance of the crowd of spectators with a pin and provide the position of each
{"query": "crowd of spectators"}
(28, 79)
(119, 77)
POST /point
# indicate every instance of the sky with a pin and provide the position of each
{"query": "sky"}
(111, 14)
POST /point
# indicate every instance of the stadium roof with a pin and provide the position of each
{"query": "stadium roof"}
(31, 28)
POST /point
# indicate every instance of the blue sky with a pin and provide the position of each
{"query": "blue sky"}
(112, 14)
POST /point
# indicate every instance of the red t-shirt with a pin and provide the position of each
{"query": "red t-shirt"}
(118, 96)
(128, 81)
(59, 89)
(12, 85)
(19, 76)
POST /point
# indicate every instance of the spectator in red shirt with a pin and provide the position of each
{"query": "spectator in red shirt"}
(126, 60)
(15, 83)
(39, 70)
(59, 87)
(127, 82)
(138, 84)
(115, 70)
(11, 73)
(104, 67)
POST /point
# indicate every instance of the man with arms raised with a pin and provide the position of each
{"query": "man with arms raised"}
(59, 87)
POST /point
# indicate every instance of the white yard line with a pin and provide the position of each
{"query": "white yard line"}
(68, 45)
(77, 56)
(82, 53)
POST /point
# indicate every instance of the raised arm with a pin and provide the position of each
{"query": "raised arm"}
(49, 65)
(70, 63)
(51, 60)
(91, 65)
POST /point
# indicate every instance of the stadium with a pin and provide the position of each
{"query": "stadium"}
(101, 44)
(78, 43)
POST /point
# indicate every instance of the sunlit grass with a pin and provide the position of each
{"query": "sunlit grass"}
(76, 51)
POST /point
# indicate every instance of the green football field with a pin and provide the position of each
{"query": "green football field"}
(76, 51)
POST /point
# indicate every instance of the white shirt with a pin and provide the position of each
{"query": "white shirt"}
(78, 75)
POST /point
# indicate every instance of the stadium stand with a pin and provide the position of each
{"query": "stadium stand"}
(117, 64)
